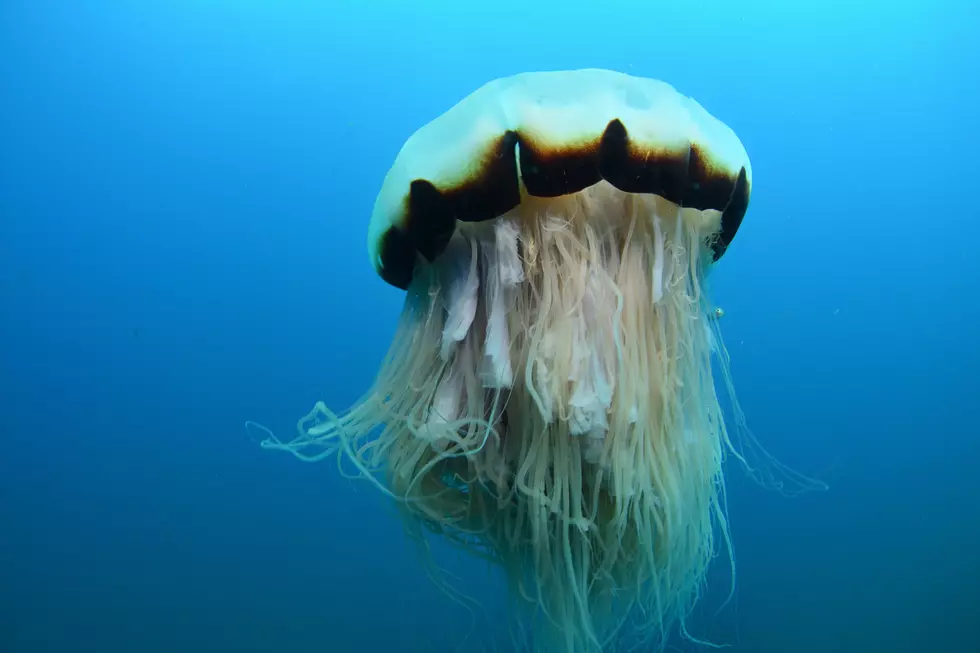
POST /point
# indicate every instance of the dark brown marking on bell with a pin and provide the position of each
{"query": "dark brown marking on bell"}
(731, 217)
(398, 257)
(632, 169)
(495, 188)
(431, 214)
(684, 176)
(555, 172)
(430, 219)
(708, 187)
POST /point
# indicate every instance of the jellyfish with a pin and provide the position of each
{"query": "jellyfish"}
(549, 400)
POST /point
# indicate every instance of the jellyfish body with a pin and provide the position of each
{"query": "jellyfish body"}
(548, 400)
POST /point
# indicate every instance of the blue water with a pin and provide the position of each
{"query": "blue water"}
(184, 194)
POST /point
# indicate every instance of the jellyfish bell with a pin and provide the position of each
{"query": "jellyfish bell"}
(548, 400)
(550, 135)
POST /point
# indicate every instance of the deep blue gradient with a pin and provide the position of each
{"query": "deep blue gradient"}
(185, 188)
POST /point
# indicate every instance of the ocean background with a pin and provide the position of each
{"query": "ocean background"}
(185, 188)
